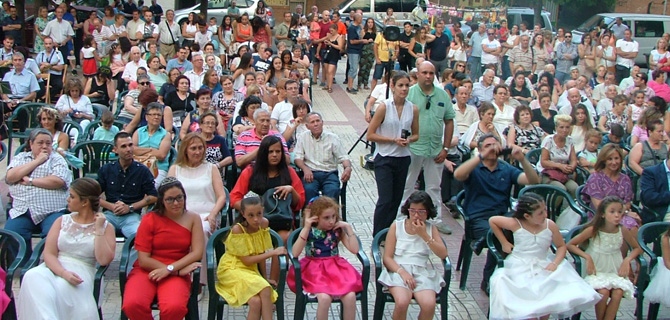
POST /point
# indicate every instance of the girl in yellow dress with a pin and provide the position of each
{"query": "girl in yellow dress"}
(241, 271)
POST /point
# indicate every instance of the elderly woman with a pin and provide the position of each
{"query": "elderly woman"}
(131, 104)
(156, 73)
(608, 180)
(74, 104)
(38, 179)
(211, 82)
(559, 160)
(203, 100)
(170, 244)
(182, 100)
(619, 114)
(504, 115)
(217, 151)
(152, 141)
(524, 133)
(202, 184)
(651, 152)
(75, 243)
(485, 125)
(139, 119)
(170, 85)
(543, 116)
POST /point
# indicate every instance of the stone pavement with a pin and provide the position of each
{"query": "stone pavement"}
(343, 114)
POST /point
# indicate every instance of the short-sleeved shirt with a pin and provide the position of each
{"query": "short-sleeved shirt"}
(181, 66)
(54, 57)
(488, 58)
(487, 192)
(354, 33)
(556, 154)
(21, 84)
(521, 58)
(17, 34)
(58, 31)
(217, 149)
(129, 186)
(383, 47)
(626, 46)
(618, 30)
(38, 200)
(439, 47)
(431, 120)
(248, 141)
(283, 30)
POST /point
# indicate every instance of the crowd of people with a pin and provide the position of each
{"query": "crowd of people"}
(462, 112)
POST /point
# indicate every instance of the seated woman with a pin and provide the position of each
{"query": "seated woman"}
(100, 88)
(203, 186)
(608, 180)
(543, 116)
(139, 119)
(245, 119)
(74, 105)
(217, 151)
(224, 102)
(639, 133)
(153, 141)
(559, 159)
(504, 115)
(211, 82)
(619, 114)
(131, 104)
(169, 85)
(580, 126)
(181, 101)
(523, 133)
(203, 100)
(62, 286)
(52, 121)
(271, 172)
(519, 90)
(169, 244)
(485, 125)
(547, 79)
(299, 123)
(156, 72)
(650, 152)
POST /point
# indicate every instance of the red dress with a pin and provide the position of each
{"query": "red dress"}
(89, 66)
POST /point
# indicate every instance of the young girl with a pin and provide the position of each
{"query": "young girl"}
(587, 157)
(89, 57)
(607, 271)
(320, 237)
(658, 290)
(534, 282)
(409, 242)
(248, 246)
(638, 105)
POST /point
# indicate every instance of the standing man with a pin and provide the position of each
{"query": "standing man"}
(626, 52)
(12, 25)
(133, 27)
(566, 52)
(282, 31)
(438, 47)
(324, 24)
(147, 31)
(157, 11)
(51, 61)
(233, 10)
(59, 30)
(102, 35)
(618, 28)
(354, 49)
(487, 182)
(404, 58)
(475, 60)
(169, 33)
(385, 53)
(521, 56)
(491, 48)
(436, 128)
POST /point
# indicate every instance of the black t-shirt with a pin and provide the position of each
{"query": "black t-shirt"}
(547, 125)
(261, 65)
(173, 100)
(439, 47)
(405, 39)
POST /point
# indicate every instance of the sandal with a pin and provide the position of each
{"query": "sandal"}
(324, 88)
(366, 87)
(330, 90)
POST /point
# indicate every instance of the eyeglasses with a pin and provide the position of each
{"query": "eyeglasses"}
(143, 83)
(420, 212)
(568, 36)
(491, 34)
(154, 115)
(171, 200)
(209, 123)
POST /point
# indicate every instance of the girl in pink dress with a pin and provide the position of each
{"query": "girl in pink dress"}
(324, 273)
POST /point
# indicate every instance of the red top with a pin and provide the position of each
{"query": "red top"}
(164, 239)
(242, 187)
(262, 36)
(242, 30)
(325, 28)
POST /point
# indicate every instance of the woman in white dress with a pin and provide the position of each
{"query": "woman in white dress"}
(203, 185)
(62, 286)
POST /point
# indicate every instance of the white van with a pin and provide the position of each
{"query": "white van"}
(646, 29)
(517, 14)
(402, 9)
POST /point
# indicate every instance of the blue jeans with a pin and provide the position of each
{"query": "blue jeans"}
(127, 223)
(327, 182)
(24, 226)
(561, 77)
(475, 67)
(354, 60)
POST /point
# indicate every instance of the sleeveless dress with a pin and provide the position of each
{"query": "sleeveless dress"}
(605, 250)
(523, 289)
(412, 254)
(200, 197)
(658, 290)
(89, 65)
(322, 269)
(44, 295)
(237, 282)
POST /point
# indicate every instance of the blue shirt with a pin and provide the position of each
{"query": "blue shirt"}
(606, 140)
(476, 44)
(182, 67)
(22, 84)
(354, 33)
(129, 186)
(487, 192)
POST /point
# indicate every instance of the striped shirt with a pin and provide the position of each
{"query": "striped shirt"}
(248, 141)
(322, 154)
(41, 202)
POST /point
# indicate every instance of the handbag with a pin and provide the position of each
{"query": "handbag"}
(150, 162)
(277, 210)
(662, 61)
(555, 174)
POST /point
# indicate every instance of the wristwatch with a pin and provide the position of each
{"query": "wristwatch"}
(170, 268)
(130, 208)
(30, 181)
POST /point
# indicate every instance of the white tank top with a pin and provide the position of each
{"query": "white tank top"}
(392, 127)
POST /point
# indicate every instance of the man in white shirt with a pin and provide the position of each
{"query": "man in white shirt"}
(102, 35)
(491, 48)
(147, 31)
(575, 98)
(282, 113)
(606, 104)
(318, 153)
(169, 32)
(466, 114)
(51, 61)
(130, 71)
(630, 81)
(197, 74)
(626, 52)
(483, 89)
(600, 90)
(132, 27)
(59, 30)
(203, 36)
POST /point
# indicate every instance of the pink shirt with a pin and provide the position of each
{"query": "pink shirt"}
(662, 90)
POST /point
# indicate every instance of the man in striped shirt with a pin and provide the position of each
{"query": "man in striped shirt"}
(249, 141)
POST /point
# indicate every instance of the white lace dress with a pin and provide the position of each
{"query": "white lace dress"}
(523, 289)
(605, 250)
(44, 295)
(200, 197)
(659, 287)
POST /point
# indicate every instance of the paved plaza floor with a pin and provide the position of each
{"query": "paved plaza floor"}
(343, 114)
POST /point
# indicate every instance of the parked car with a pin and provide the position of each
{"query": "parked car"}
(219, 9)
(402, 9)
(517, 14)
(646, 29)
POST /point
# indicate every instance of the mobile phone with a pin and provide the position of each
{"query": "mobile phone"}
(505, 152)
(404, 134)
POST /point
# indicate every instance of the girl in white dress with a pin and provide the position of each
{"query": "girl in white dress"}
(658, 290)
(62, 286)
(607, 271)
(535, 282)
(409, 243)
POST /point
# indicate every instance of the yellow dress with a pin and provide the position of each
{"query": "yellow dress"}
(237, 283)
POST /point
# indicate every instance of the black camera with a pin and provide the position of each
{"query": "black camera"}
(404, 134)
(505, 152)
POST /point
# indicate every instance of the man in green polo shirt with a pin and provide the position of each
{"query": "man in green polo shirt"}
(436, 128)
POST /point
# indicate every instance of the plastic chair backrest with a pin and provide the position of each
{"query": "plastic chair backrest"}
(95, 154)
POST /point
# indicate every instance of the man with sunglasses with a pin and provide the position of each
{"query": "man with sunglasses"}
(566, 52)
(491, 48)
(436, 129)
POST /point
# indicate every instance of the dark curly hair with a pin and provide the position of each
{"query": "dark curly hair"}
(423, 198)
